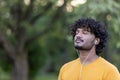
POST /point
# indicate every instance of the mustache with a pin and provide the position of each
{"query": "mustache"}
(78, 39)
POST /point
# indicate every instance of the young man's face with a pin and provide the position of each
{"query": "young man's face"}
(84, 39)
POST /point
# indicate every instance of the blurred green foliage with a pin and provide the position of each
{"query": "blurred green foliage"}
(48, 52)
(46, 77)
(3, 75)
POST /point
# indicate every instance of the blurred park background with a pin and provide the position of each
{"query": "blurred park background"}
(35, 38)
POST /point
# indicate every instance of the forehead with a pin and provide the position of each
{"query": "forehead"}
(84, 29)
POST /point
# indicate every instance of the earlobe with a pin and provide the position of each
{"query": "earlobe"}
(97, 40)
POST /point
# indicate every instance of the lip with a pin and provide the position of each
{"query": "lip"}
(78, 41)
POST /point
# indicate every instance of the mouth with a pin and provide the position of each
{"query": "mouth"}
(78, 41)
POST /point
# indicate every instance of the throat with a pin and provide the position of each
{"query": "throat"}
(87, 59)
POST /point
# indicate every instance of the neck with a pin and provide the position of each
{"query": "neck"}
(87, 57)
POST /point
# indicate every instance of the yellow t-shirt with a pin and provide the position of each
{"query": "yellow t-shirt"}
(100, 69)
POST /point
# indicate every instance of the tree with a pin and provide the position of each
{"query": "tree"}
(17, 27)
(41, 26)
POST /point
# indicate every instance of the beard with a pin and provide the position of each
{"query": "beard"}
(86, 46)
(82, 47)
(79, 47)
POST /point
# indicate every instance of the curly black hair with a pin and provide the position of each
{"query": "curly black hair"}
(96, 27)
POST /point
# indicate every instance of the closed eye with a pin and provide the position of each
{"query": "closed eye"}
(85, 32)
(77, 32)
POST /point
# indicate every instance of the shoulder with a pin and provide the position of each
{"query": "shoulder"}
(68, 64)
(106, 63)
(110, 71)
(109, 67)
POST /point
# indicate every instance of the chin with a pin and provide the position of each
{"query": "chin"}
(82, 48)
(78, 47)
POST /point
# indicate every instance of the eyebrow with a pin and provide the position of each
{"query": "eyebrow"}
(85, 28)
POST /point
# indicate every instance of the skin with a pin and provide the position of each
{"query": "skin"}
(86, 43)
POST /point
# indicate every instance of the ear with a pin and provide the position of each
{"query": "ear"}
(97, 41)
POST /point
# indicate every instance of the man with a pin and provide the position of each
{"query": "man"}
(89, 37)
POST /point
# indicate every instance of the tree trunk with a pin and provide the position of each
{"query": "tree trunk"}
(20, 68)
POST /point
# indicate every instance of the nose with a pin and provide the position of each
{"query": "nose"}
(79, 35)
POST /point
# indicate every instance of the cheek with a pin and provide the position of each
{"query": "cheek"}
(89, 39)
(74, 38)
